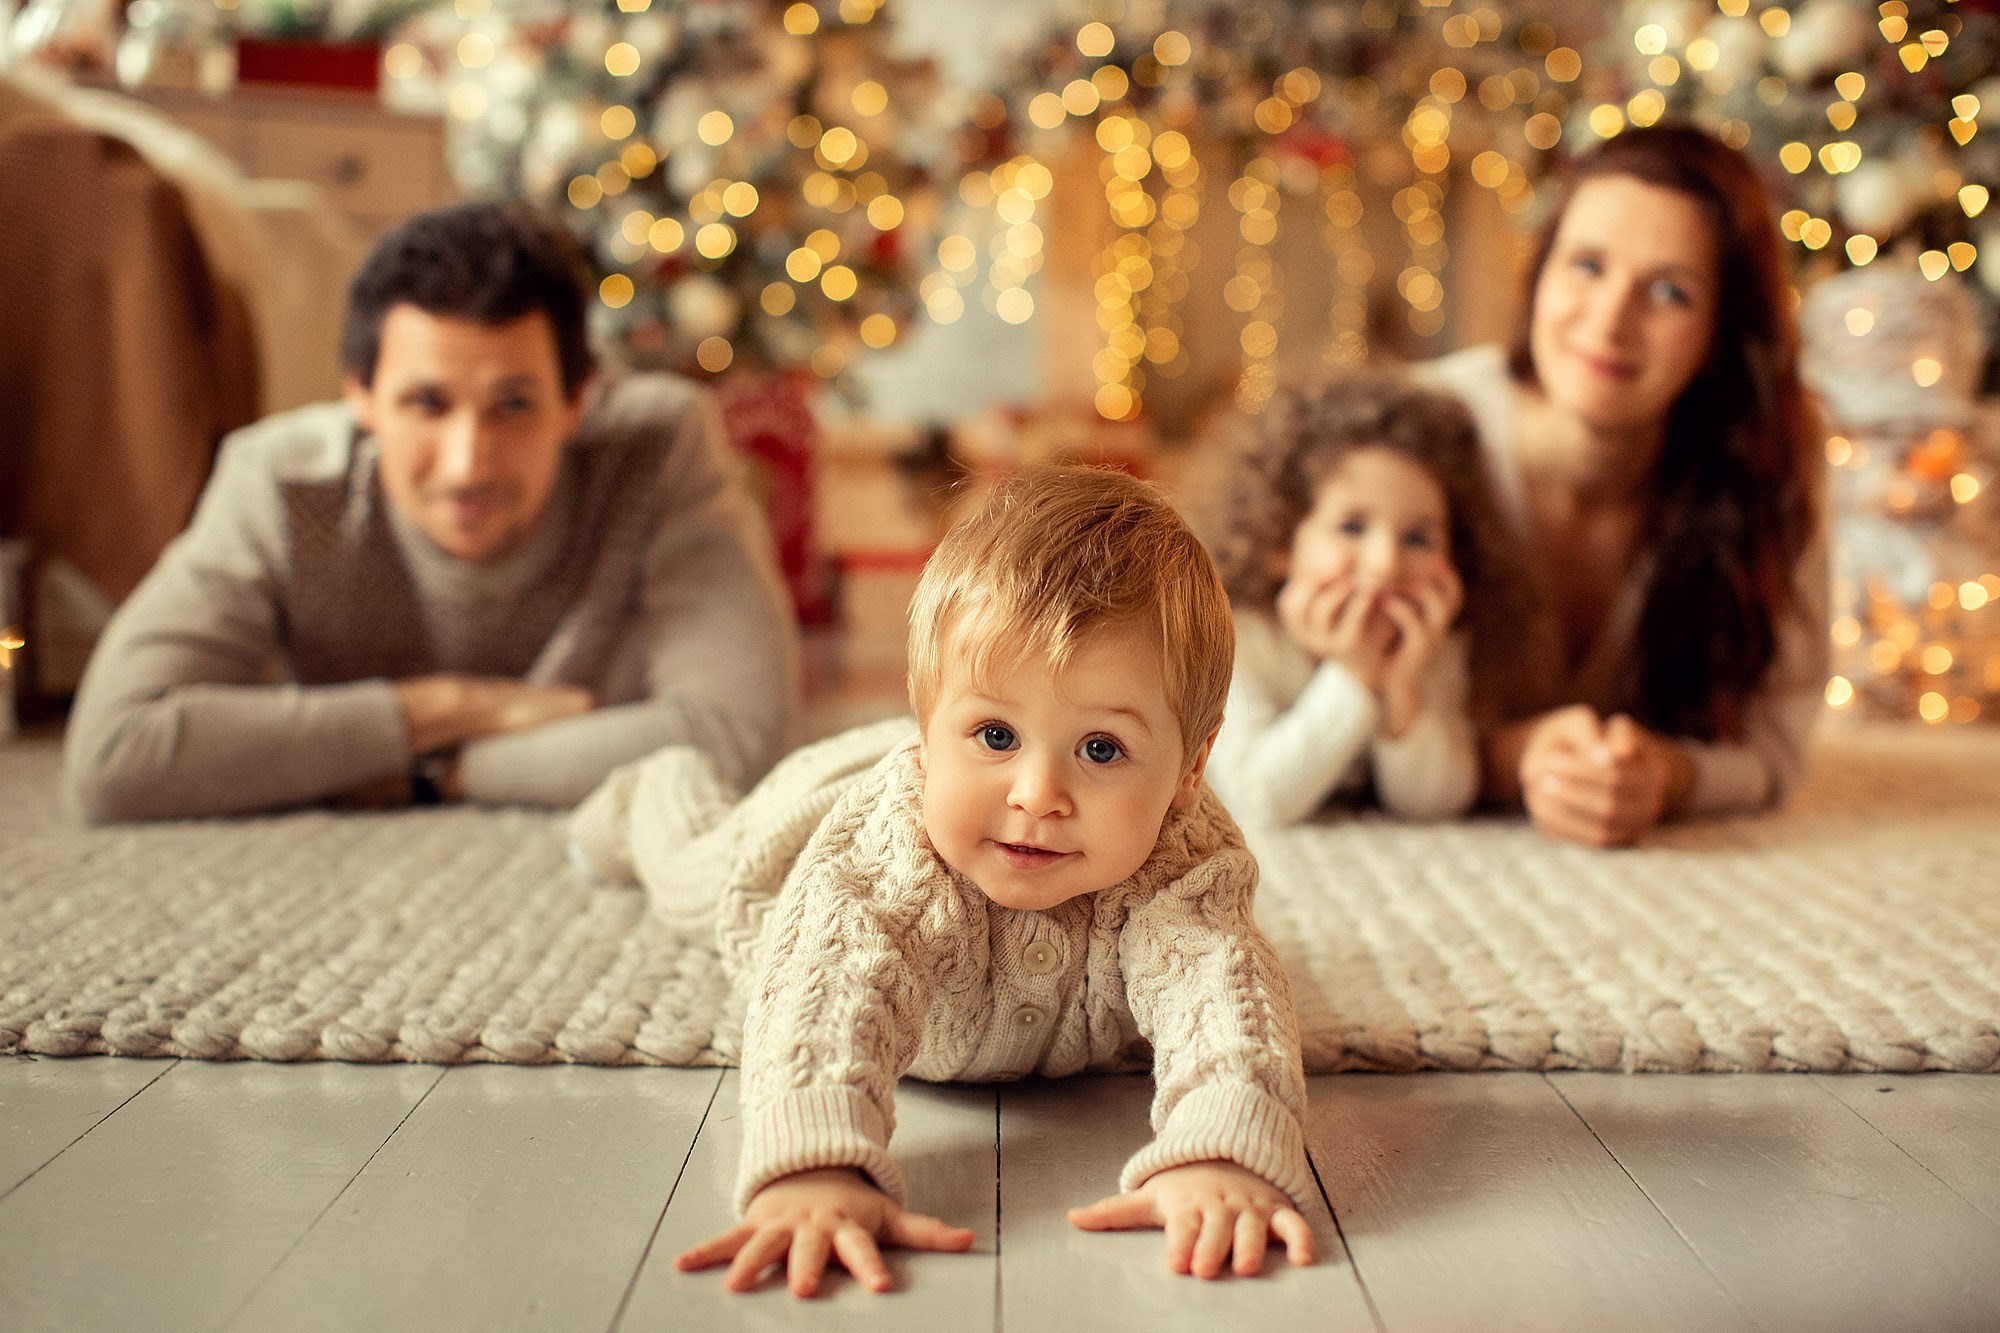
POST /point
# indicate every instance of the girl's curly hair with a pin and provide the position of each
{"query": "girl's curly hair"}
(1273, 466)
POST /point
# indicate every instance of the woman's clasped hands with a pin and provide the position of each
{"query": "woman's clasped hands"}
(1599, 781)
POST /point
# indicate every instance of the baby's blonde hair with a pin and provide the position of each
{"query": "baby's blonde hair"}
(1057, 554)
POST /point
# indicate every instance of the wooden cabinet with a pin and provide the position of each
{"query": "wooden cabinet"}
(378, 166)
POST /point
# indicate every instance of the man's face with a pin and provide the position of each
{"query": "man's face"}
(1038, 788)
(471, 420)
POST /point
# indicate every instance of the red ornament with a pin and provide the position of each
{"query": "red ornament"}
(1319, 146)
(770, 422)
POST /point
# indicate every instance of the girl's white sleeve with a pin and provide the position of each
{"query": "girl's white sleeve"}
(1431, 771)
(1276, 760)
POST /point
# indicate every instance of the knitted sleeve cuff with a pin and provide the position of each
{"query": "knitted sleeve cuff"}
(1237, 1123)
(811, 1128)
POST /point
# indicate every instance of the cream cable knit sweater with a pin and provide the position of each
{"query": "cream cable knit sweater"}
(876, 959)
(1298, 731)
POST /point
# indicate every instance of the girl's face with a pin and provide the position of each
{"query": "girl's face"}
(1625, 306)
(1379, 522)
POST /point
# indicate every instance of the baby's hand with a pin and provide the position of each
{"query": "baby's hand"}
(807, 1218)
(1208, 1209)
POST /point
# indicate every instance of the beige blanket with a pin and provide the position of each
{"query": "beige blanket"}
(1856, 931)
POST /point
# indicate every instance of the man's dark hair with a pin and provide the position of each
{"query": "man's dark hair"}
(491, 263)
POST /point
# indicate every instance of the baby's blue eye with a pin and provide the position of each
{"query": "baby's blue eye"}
(996, 737)
(1101, 750)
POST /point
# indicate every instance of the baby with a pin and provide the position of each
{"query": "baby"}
(1353, 525)
(1037, 882)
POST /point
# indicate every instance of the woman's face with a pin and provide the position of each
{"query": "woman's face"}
(1625, 306)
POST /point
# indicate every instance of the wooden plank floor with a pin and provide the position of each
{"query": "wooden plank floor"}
(171, 1196)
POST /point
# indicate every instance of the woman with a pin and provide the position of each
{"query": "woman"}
(1651, 442)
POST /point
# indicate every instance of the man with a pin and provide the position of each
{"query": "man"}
(483, 576)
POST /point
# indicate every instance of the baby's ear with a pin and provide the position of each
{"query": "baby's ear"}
(1190, 786)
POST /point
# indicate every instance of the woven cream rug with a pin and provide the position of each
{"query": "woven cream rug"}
(1861, 930)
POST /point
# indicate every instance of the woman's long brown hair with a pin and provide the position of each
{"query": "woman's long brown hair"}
(1732, 494)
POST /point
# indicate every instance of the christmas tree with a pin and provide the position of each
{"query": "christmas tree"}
(754, 181)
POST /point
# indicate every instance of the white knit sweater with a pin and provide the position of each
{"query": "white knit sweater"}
(877, 959)
(1298, 731)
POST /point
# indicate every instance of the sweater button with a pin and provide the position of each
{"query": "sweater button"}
(1040, 958)
(1027, 1016)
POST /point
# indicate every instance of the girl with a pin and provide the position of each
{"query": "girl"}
(1354, 518)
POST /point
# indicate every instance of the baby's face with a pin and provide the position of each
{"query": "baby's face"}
(1379, 523)
(1039, 788)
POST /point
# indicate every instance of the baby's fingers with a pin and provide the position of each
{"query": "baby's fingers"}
(1298, 1237)
(857, 1250)
(764, 1248)
(915, 1231)
(1211, 1248)
(1183, 1228)
(1253, 1231)
(1120, 1212)
(807, 1262)
(714, 1250)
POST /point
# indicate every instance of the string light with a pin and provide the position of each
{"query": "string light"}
(1123, 269)
(1173, 252)
(1255, 290)
(1420, 208)
(621, 59)
(1353, 265)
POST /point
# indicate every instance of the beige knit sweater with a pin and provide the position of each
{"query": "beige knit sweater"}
(877, 959)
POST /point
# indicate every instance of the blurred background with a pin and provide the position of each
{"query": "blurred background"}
(910, 246)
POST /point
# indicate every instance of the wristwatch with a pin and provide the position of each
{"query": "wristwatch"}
(428, 774)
